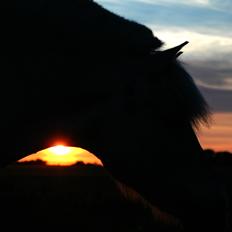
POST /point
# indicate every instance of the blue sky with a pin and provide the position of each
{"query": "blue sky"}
(206, 24)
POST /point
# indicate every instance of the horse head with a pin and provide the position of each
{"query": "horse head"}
(108, 90)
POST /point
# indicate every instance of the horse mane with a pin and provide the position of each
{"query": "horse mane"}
(182, 95)
(198, 111)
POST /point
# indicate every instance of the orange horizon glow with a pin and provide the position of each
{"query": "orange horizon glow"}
(218, 136)
(61, 155)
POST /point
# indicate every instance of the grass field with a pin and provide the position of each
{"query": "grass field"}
(81, 196)
(86, 197)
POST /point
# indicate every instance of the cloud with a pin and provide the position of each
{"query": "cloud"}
(218, 5)
(215, 74)
(176, 13)
(225, 5)
(177, 2)
(199, 42)
(213, 86)
(163, 2)
(208, 57)
(219, 100)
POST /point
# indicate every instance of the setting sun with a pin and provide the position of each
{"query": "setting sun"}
(60, 150)
(63, 156)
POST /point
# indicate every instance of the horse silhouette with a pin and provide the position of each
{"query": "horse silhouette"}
(75, 71)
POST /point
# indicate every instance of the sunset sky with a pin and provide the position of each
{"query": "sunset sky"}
(62, 156)
(206, 24)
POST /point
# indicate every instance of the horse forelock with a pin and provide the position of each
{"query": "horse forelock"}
(196, 108)
(181, 95)
(165, 87)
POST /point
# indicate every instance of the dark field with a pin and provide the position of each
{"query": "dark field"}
(87, 197)
(224, 175)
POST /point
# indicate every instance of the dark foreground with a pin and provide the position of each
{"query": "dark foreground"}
(82, 198)
(88, 198)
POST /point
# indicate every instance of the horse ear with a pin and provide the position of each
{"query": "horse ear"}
(173, 53)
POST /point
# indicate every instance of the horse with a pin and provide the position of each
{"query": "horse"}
(76, 72)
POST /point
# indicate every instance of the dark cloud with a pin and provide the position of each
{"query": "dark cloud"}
(212, 73)
(218, 100)
(225, 5)
(214, 78)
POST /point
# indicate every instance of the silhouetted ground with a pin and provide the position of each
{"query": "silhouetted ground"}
(87, 196)
(220, 165)
(84, 197)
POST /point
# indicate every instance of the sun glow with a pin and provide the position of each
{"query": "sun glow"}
(218, 135)
(62, 156)
(60, 150)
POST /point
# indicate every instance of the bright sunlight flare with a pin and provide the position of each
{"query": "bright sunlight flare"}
(60, 150)
(63, 156)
